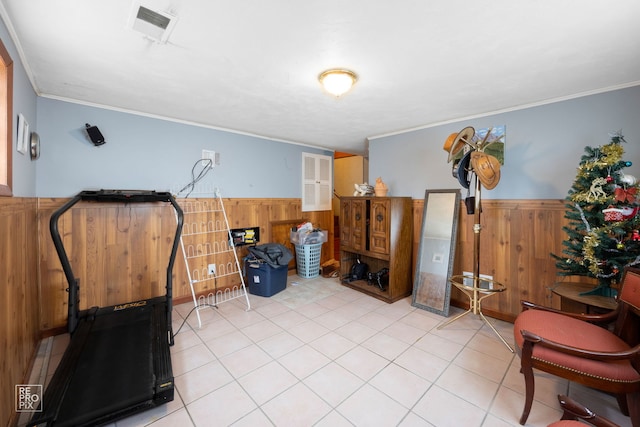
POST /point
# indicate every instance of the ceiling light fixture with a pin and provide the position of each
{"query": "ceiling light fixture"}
(337, 81)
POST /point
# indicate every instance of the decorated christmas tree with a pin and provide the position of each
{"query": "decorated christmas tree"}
(603, 226)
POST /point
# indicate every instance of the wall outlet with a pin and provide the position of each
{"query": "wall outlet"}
(211, 269)
(210, 155)
(486, 281)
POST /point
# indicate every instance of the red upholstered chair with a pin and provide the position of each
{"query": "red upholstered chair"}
(598, 351)
(573, 411)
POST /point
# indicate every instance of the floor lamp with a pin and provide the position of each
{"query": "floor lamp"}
(485, 167)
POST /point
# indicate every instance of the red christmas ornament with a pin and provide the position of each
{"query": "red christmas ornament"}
(636, 236)
(609, 179)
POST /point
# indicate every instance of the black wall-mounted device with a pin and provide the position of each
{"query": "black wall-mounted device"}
(95, 135)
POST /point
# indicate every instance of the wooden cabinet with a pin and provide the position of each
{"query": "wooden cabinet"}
(378, 231)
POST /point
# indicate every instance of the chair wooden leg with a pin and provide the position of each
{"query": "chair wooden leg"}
(529, 390)
(633, 402)
(527, 370)
(622, 403)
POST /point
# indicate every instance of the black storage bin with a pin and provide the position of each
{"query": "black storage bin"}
(264, 280)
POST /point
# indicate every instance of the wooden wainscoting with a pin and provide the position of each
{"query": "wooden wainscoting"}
(516, 239)
(19, 302)
(132, 244)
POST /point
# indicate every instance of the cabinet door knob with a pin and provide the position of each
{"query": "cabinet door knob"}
(357, 217)
(379, 217)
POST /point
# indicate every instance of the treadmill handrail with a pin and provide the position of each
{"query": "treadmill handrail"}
(72, 308)
(113, 196)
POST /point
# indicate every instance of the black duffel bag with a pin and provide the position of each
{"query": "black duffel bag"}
(274, 254)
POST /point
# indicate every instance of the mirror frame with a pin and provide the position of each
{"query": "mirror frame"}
(422, 290)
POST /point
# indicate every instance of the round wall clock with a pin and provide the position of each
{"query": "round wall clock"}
(35, 146)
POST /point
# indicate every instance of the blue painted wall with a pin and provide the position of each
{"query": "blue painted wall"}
(149, 153)
(24, 101)
(544, 145)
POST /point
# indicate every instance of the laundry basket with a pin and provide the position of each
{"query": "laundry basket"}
(308, 260)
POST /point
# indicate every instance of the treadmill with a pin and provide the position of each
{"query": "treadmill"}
(118, 361)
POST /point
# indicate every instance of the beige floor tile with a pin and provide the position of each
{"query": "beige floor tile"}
(303, 361)
(375, 321)
(404, 332)
(439, 346)
(267, 381)
(400, 384)
(280, 344)
(332, 319)
(221, 407)
(288, 319)
(271, 309)
(470, 386)
(369, 406)
(421, 319)
(491, 345)
(508, 406)
(356, 332)
(443, 409)
(255, 418)
(421, 363)
(308, 331)
(333, 419)
(229, 343)
(333, 383)
(312, 310)
(413, 420)
(191, 358)
(201, 381)
(214, 329)
(385, 346)
(245, 360)
(297, 406)
(482, 364)
(187, 338)
(332, 345)
(261, 330)
(362, 362)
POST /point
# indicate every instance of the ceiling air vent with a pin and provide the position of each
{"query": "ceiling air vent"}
(153, 24)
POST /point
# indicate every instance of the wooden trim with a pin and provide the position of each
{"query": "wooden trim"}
(6, 121)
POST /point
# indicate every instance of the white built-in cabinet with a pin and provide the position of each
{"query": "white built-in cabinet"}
(317, 182)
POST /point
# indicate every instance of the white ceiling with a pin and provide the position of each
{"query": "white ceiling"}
(251, 66)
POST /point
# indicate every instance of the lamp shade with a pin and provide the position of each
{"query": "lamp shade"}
(337, 81)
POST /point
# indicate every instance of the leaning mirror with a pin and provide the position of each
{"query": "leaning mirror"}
(431, 286)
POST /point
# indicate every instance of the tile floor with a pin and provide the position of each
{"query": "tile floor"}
(321, 354)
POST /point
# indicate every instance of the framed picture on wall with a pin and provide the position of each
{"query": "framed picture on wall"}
(495, 141)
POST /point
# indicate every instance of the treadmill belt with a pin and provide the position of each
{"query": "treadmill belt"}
(115, 370)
